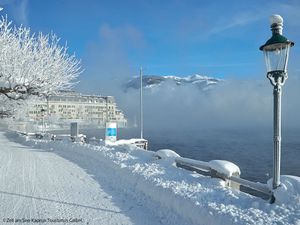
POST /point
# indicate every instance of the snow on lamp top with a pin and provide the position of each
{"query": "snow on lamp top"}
(276, 23)
(276, 19)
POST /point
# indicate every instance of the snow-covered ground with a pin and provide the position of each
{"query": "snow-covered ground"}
(37, 184)
(122, 185)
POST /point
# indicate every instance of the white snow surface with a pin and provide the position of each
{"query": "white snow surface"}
(166, 153)
(120, 185)
(225, 167)
(124, 141)
(288, 192)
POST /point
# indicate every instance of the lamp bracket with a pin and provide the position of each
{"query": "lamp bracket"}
(277, 77)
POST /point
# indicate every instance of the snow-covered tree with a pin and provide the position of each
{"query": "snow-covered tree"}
(33, 64)
(7, 107)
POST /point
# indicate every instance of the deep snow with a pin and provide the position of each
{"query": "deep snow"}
(137, 181)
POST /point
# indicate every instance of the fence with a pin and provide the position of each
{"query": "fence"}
(226, 171)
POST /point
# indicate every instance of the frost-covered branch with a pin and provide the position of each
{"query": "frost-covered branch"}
(33, 64)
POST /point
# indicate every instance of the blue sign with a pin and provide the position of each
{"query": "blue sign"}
(111, 132)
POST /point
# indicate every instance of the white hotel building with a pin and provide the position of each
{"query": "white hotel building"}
(76, 107)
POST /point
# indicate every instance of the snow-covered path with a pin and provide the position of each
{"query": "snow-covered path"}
(38, 184)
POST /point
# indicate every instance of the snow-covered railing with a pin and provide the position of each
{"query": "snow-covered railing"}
(262, 188)
(225, 170)
(138, 142)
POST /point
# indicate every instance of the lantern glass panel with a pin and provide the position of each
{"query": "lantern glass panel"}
(276, 56)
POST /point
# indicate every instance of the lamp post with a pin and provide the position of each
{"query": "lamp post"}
(141, 103)
(276, 53)
(43, 119)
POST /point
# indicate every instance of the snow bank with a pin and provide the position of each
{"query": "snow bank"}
(175, 195)
(288, 193)
(123, 141)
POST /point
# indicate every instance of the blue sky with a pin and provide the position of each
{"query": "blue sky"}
(166, 37)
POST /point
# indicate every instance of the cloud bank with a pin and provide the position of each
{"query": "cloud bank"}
(230, 104)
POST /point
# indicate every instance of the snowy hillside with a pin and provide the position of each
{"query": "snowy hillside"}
(169, 194)
(150, 81)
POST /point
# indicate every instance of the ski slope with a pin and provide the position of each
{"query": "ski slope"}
(40, 187)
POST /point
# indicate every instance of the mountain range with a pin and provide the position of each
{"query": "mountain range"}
(152, 81)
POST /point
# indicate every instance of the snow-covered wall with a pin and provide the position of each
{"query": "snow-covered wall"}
(183, 197)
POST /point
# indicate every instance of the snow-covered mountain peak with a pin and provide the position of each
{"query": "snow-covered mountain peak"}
(152, 81)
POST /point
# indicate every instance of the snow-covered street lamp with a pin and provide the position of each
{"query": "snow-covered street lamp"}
(276, 52)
